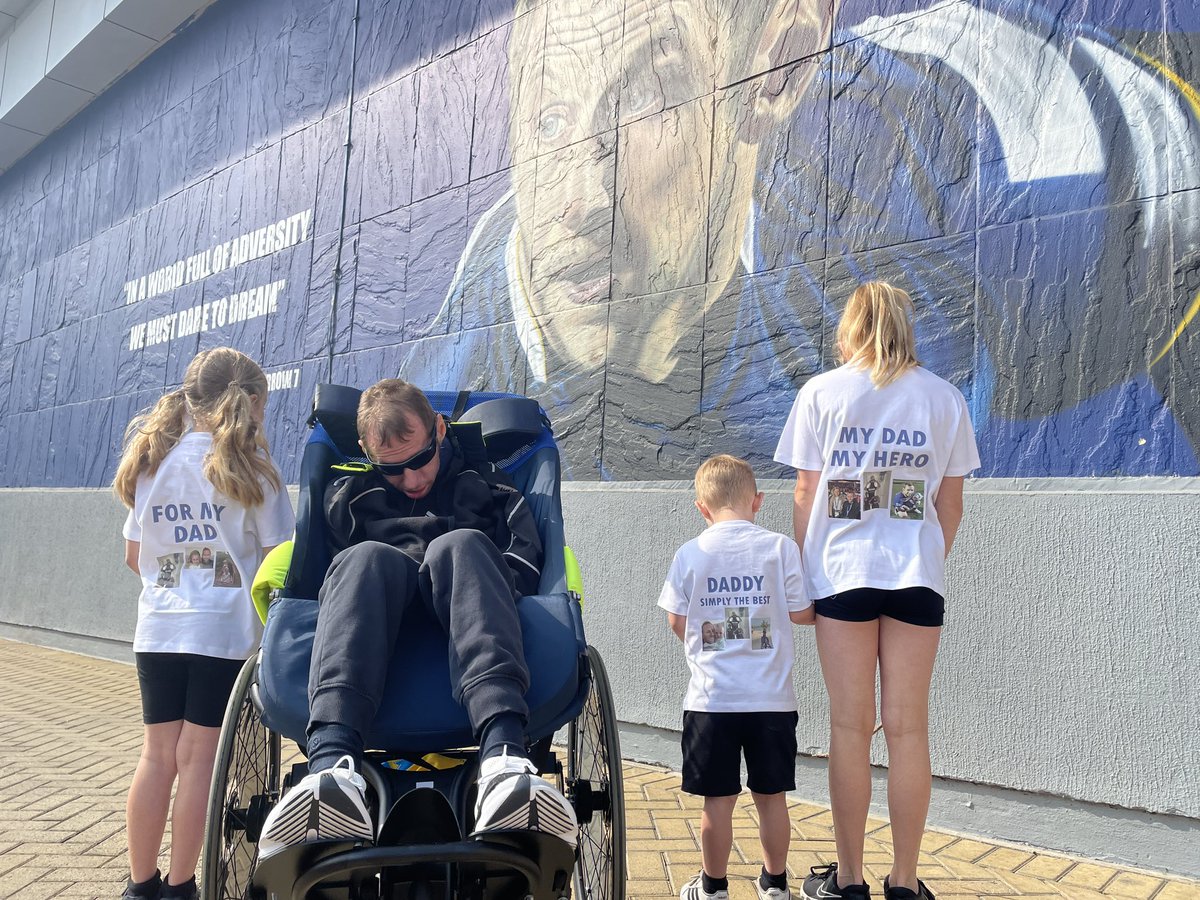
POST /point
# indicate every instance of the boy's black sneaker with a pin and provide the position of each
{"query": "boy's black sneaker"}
(821, 884)
(903, 893)
(145, 890)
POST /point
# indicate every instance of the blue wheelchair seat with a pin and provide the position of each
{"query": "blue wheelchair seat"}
(419, 713)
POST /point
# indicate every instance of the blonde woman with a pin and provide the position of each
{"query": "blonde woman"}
(877, 574)
(195, 469)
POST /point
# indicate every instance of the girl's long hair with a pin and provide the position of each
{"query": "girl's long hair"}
(217, 391)
(876, 332)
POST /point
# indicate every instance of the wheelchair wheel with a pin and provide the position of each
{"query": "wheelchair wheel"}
(594, 786)
(246, 779)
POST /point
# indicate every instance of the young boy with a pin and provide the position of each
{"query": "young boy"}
(740, 699)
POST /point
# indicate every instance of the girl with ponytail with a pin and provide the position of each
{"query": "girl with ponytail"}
(198, 479)
(881, 447)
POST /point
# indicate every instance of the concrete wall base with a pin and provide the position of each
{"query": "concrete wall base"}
(1035, 822)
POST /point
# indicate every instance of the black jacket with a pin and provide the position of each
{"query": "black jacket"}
(367, 508)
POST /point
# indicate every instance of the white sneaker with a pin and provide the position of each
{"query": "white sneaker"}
(771, 893)
(694, 890)
(325, 806)
(511, 795)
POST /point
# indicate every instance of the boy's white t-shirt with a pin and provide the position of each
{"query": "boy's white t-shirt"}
(882, 454)
(736, 583)
(194, 601)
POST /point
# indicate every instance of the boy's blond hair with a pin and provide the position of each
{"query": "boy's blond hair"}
(724, 481)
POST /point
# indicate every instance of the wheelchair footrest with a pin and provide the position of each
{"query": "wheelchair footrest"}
(505, 866)
(422, 816)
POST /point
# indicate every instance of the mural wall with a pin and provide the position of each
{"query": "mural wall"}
(645, 213)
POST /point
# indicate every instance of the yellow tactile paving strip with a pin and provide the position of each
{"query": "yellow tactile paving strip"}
(70, 728)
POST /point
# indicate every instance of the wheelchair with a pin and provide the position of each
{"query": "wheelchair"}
(422, 771)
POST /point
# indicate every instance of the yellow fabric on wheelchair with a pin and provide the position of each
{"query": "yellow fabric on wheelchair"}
(270, 577)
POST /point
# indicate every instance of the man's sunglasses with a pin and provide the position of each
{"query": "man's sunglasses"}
(418, 461)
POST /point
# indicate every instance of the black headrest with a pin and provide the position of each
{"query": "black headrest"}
(335, 406)
(507, 423)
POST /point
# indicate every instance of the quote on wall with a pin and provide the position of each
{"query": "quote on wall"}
(261, 300)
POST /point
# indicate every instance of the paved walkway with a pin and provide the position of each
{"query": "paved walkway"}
(71, 728)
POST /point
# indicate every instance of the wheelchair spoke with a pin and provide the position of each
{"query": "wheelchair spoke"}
(247, 768)
(594, 776)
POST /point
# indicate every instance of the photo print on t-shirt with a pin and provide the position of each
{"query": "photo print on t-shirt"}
(737, 620)
(908, 499)
(760, 634)
(877, 488)
(169, 567)
(712, 636)
(225, 571)
(845, 498)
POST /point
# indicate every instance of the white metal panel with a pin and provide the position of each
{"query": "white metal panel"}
(14, 8)
(157, 19)
(72, 21)
(27, 47)
(47, 105)
(100, 57)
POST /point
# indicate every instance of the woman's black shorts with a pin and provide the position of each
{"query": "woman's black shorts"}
(184, 686)
(713, 744)
(915, 605)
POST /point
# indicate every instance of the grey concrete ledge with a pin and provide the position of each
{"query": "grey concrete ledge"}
(84, 644)
(1157, 484)
(1148, 485)
(1032, 822)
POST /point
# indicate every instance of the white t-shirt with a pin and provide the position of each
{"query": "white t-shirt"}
(736, 583)
(882, 455)
(199, 552)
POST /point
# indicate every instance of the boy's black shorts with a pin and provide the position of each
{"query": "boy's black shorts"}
(185, 686)
(713, 744)
(915, 605)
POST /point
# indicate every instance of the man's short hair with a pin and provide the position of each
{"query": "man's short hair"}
(724, 481)
(385, 408)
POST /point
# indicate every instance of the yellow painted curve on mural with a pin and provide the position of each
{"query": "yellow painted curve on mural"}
(1193, 99)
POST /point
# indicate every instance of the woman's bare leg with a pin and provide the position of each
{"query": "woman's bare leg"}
(848, 652)
(906, 656)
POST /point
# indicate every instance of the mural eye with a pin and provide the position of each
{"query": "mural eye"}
(552, 124)
(639, 99)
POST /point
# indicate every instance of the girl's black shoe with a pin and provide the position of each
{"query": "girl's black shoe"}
(144, 890)
(185, 891)
(903, 893)
(821, 884)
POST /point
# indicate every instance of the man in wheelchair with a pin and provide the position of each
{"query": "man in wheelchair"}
(420, 526)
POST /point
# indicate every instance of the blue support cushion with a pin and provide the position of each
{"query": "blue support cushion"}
(420, 714)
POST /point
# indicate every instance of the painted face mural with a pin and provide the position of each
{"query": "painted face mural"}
(646, 215)
(698, 186)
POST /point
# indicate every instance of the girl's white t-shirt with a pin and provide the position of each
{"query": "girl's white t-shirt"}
(882, 454)
(736, 583)
(199, 553)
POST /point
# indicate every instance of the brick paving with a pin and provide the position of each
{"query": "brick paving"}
(71, 727)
